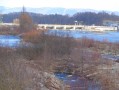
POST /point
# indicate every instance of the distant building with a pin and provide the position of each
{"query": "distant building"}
(111, 23)
(16, 21)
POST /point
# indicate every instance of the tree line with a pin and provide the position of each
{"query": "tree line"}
(87, 18)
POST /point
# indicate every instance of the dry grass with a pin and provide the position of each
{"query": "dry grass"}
(9, 79)
(18, 73)
(32, 36)
(41, 44)
(9, 30)
(19, 68)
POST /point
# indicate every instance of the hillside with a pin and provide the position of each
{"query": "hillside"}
(49, 10)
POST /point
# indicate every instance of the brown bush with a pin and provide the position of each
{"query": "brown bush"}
(8, 76)
(32, 36)
(43, 44)
(9, 30)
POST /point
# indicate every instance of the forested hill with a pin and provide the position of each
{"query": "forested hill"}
(87, 18)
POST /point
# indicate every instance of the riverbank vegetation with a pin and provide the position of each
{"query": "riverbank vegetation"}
(23, 67)
(9, 30)
(82, 57)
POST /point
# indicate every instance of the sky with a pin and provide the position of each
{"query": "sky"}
(111, 5)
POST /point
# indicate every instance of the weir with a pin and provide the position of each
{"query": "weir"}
(69, 27)
(76, 27)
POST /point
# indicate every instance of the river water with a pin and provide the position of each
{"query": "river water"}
(9, 40)
(110, 36)
(12, 41)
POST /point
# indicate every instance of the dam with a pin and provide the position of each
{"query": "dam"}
(68, 27)
(76, 27)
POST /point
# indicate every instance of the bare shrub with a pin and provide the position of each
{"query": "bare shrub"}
(42, 43)
(9, 80)
(107, 83)
(32, 36)
(9, 30)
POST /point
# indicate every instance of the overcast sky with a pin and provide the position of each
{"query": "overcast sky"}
(111, 5)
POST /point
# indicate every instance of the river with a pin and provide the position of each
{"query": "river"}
(111, 36)
(12, 41)
(9, 40)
